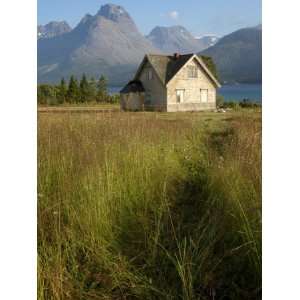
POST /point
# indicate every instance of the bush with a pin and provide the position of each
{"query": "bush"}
(46, 94)
(220, 101)
(246, 103)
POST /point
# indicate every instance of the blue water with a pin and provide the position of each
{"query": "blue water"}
(239, 92)
(235, 92)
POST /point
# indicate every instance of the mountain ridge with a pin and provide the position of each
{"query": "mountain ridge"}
(238, 56)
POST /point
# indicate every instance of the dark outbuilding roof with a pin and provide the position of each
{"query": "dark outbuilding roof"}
(134, 86)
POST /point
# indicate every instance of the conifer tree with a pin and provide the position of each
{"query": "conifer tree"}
(102, 94)
(92, 89)
(73, 90)
(84, 89)
(62, 91)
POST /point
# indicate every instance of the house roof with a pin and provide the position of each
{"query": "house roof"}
(167, 66)
(133, 86)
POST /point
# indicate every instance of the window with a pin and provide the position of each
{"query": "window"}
(203, 95)
(192, 72)
(179, 96)
(150, 74)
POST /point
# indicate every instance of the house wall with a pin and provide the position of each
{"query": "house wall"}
(132, 101)
(156, 93)
(192, 86)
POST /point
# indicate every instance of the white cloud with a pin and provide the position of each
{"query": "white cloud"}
(173, 14)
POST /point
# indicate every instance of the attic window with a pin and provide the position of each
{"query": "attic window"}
(192, 72)
(150, 74)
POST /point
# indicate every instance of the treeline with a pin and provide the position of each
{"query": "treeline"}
(74, 91)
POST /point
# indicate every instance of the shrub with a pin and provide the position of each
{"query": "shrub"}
(46, 94)
(220, 101)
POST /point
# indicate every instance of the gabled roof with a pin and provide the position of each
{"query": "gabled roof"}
(167, 66)
(133, 86)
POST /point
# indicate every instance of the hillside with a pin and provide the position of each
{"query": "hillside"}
(238, 56)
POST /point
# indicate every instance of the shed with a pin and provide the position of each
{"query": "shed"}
(133, 96)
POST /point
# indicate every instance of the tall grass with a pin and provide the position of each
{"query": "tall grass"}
(149, 206)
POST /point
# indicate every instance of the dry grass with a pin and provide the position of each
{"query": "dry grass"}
(149, 205)
(81, 108)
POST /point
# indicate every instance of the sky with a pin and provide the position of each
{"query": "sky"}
(200, 17)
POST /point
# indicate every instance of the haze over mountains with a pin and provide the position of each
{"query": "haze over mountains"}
(110, 43)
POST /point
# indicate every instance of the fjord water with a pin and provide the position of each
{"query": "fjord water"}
(239, 92)
(234, 92)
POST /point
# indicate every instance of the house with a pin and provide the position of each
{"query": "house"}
(171, 83)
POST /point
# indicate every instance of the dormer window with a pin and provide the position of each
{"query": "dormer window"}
(192, 72)
(150, 74)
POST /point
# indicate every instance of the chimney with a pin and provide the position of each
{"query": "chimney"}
(176, 55)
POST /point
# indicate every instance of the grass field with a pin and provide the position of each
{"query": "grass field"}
(79, 108)
(149, 205)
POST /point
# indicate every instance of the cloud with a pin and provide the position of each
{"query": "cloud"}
(173, 14)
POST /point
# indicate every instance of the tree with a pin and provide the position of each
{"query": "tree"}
(62, 92)
(92, 89)
(210, 65)
(73, 90)
(102, 94)
(84, 89)
(46, 94)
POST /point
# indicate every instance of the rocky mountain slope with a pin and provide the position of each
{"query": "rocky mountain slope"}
(53, 29)
(107, 43)
(177, 39)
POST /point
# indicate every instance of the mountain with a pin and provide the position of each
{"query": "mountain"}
(52, 29)
(238, 56)
(176, 39)
(208, 40)
(107, 43)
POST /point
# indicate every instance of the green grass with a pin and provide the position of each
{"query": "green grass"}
(149, 205)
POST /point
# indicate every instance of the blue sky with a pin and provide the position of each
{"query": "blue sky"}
(198, 16)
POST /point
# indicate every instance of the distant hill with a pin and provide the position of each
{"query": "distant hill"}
(238, 56)
(178, 39)
(107, 43)
(53, 29)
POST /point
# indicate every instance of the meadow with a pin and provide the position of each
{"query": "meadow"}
(149, 205)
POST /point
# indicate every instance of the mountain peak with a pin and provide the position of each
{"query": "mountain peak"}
(174, 39)
(113, 12)
(53, 29)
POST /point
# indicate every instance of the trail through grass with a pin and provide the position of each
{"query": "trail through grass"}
(149, 206)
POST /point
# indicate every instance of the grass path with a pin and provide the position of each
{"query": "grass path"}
(149, 205)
